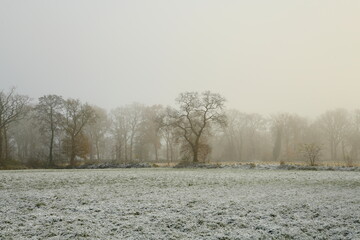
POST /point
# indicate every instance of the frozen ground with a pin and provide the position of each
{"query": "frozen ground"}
(179, 204)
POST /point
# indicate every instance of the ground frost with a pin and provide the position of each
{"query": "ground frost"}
(179, 204)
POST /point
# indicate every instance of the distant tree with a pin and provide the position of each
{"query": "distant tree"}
(353, 138)
(97, 131)
(235, 135)
(279, 122)
(334, 124)
(256, 125)
(120, 131)
(135, 118)
(170, 136)
(277, 145)
(311, 152)
(82, 145)
(150, 127)
(49, 114)
(243, 134)
(12, 107)
(28, 142)
(196, 114)
(76, 117)
(289, 131)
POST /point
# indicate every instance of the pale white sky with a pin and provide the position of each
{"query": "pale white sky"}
(263, 56)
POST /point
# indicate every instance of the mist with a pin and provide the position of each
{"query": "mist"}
(191, 119)
(280, 56)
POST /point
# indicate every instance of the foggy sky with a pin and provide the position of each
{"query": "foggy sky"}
(263, 56)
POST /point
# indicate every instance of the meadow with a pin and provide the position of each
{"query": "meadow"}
(166, 203)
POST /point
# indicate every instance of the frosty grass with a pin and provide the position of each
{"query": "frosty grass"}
(179, 204)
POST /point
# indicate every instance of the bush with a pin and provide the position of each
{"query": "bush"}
(311, 152)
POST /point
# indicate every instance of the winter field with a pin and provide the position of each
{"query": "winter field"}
(160, 203)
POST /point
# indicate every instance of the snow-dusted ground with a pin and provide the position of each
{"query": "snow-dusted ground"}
(179, 204)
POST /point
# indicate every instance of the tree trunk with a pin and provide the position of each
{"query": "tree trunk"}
(6, 145)
(332, 151)
(335, 152)
(59, 149)
(241, 149)
(97, 150)
(125, 151)
(156, 152)
(195, 158)
(1, 146)
(167, 153)
(117, 155)
(277, 146)
(72, 155)
(131, 148)
(354, 152)
(195, 152)
(171, 152)
(51, 148)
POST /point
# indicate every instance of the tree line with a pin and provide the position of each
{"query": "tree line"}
(58, 132)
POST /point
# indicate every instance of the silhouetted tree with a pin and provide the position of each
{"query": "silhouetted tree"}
(311, 152)
(97, 131)
(76, 116)
(49, 114)
(334, 125)
(12, 107)
(197, 112)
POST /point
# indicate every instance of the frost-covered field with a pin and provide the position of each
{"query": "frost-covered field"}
(179, 204)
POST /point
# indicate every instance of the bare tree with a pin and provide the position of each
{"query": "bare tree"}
(197, 112)
(97, 130)
(289, 131)
(170, 136)
(28, 142)
(334, 125)
(127, 123)
(351, 143)
(279, 122)
(235, 135)
(150, 127)
(256, 125)
(49, 110)
(243, 135)
(76, 117)
(311, 152)
(135, 117)
(12, 107)
(120, 130)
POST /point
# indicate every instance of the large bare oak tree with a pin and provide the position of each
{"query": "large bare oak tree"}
(12, 107)
(195, 117)
(48, 113)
